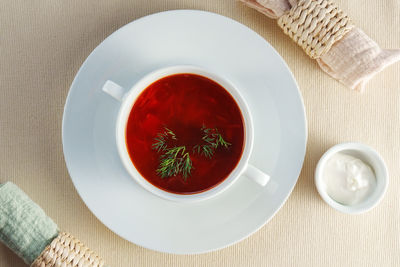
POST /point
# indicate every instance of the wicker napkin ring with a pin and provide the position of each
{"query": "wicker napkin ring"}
(66, 250)
(315, 25)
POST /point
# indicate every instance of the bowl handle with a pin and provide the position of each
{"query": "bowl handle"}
(256, 175)
(114, 90)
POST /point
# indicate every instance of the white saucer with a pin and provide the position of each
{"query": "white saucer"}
(172, 38)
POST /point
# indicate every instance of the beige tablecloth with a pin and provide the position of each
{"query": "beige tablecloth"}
(42, 45)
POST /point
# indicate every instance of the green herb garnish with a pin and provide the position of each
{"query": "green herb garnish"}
(176, 160)
(213, 139)
(162, 138)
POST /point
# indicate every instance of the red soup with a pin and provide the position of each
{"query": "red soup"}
(185, 134)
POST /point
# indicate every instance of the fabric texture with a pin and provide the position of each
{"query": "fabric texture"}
(271, 8)
(352, 60)
(356, 58)
(24, 227)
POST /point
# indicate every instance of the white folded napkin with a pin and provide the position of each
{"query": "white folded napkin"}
(353, 58)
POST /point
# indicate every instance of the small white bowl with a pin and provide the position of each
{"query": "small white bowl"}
(369, 156)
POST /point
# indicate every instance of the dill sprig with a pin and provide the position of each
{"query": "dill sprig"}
(162, 138)
(213, 140)
(176, 160)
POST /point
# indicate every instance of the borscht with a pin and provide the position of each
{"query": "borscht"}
(185, 133)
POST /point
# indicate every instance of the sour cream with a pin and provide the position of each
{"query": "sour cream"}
(348, 179)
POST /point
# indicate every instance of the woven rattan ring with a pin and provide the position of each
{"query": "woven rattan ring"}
(67, 251)
(315, 25)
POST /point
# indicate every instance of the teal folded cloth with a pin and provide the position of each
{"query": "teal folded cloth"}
(24, 226)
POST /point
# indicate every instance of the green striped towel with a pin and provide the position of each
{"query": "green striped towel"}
(24, 227)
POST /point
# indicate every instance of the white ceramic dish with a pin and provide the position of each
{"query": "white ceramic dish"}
(127, 98)
(369, 156)
(223, 46)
